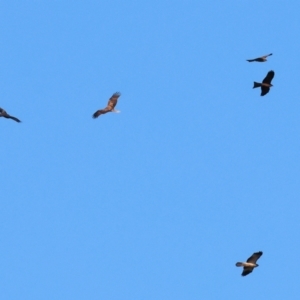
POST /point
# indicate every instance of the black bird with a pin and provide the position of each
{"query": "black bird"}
(112, 102)
(266, 84)
(260, 59)
(4, 114)
(250, 264)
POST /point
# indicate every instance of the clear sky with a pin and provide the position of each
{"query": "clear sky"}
(197, 172)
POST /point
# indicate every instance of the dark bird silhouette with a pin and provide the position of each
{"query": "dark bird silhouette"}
(112, 102)
(250, 264)
(4, 114)
(260, 59)
(266, 84)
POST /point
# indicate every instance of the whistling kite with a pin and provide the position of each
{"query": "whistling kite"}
(112, 102)
(260, 59)
(250, 264)
(266, 84)
(4, 114)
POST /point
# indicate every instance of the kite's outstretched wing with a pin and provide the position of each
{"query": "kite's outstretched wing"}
(254, 257)
(269, 77)
(4, 114)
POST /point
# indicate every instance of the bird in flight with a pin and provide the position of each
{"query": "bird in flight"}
(112, 102)
(260, 59)
(4, 114)
(266, 84)
(250, 264)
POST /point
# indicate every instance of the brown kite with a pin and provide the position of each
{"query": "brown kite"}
(266, 84)
(260, 59)
(4, 114)
(250, 264)
(112, 102)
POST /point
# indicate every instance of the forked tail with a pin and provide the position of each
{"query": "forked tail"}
(256, 85)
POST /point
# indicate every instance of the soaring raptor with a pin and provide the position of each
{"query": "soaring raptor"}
(266, 84)
(4, 114)
(112, 102)
(250, 264)
(260, 59)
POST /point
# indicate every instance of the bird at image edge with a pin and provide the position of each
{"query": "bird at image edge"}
(4, 114)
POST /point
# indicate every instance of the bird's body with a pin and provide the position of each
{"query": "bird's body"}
(260, 59)
(112, 102)
(245, 264)
(266, 84)
(4, 114)
(250, 264)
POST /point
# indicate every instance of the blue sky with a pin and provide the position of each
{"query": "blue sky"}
(197, 172)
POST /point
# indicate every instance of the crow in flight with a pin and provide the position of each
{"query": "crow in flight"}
(4, 114)
(250, 264)
(266, 84)
(112, 102)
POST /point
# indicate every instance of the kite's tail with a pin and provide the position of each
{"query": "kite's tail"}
(256, 85)
(239, 264)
